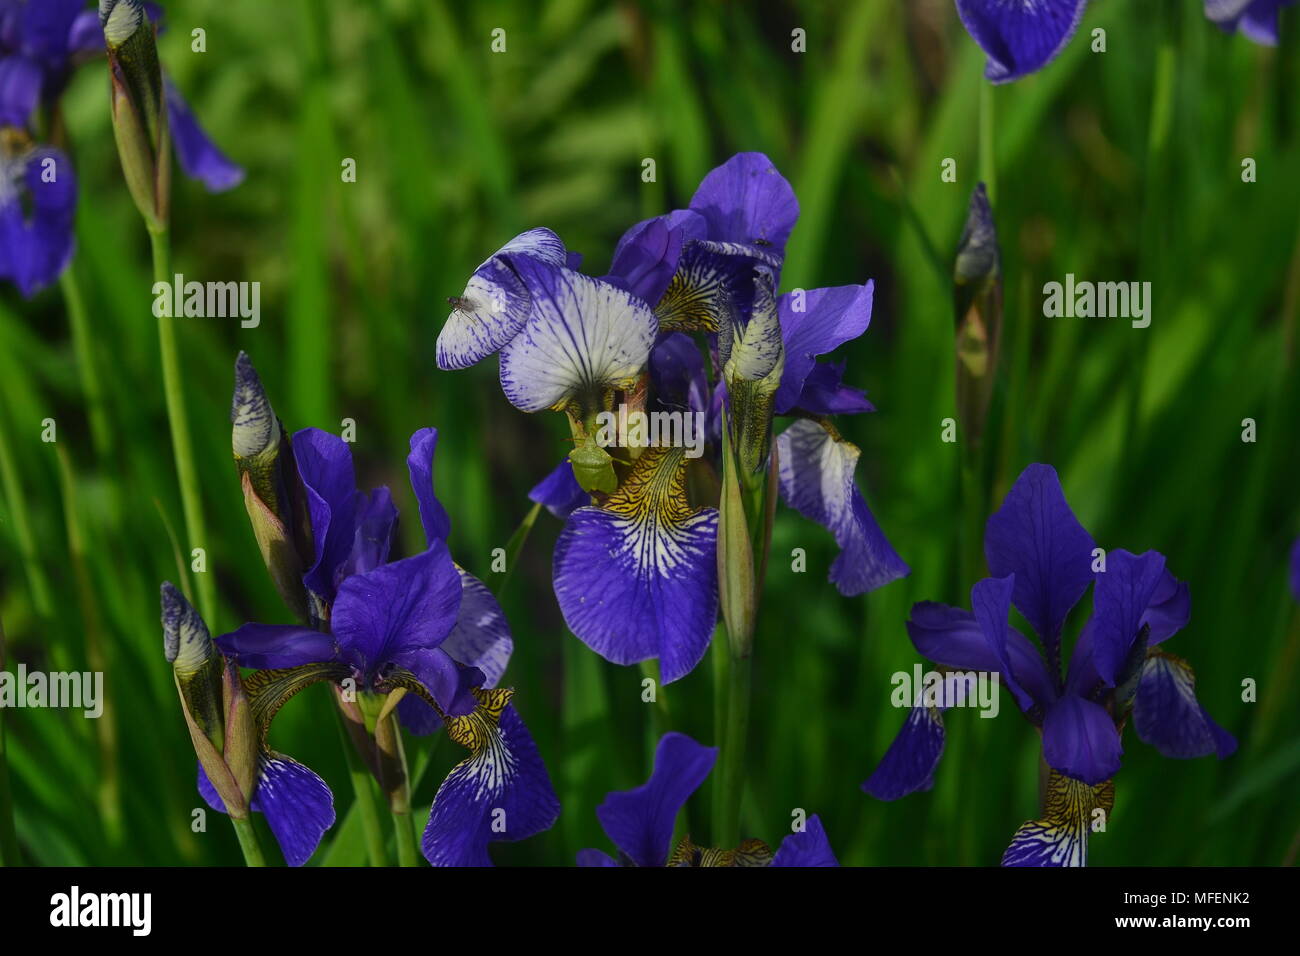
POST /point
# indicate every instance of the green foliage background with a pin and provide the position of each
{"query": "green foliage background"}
(458, 149)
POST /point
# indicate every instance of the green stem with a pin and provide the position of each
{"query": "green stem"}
(988, 161)
(732, 759)
(248, 841)
(83, 346)
(396, 779)
(659, 721)
(19, 515)
(404, 827)
(720, 655)
(8, 835)
(367, 806)
(182, 449)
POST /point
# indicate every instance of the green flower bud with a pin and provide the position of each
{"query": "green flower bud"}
(139, 107)
(273, 497)
(753, 372)
(737, 587)
(214, 703)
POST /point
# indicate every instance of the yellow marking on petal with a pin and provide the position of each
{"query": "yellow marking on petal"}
(750, 853)
(475, 730)
(655, 489)
(1067, 818)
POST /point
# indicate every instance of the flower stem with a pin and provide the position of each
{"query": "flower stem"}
(404, 827)
(367, 806)
(987, 160)
(182, 449)
(83, 346)
(395, 779)
(731, 772)
(248, 841)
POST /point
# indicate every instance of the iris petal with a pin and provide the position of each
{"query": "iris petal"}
(909, 763)
(1120, 600)
(36, 243)
(419, 463)
(559, 492)
(1167, 715)
(273, 646)
(952, 637)
(500, 792)
(816, 475)
(199, 157)
(806, 848)
(991, 601)
(406, 605)
(826, 319)
(325, 466)
(297, 804)
(646, 258)
(1080, 740)
(747, 200)
(640, 821)
(583, 337)
(637, 578)
(713, 280)
(20, 90)
(1020, 36)
(1060, 838)
(496, 302)
(481, 637)
(1035, 536)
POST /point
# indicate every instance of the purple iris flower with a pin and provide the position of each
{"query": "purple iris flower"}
(421, 623)
(1257, 19)
(635, 568)
(38, 203)
(1042, 561)
(41, 43)
(1020, 37)
(640, 822)
(422, 613)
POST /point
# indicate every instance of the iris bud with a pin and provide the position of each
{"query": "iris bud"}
(139, 107)
(977, 277)
(753, 372)
(212, 697)
(272, 494)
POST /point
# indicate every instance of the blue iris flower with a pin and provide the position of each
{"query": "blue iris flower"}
(41, 43)
(635, 568)
(1042, 561)
(640, 822)
(419, 623)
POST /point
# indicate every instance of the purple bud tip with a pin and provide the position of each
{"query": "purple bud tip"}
(977, 250)
(252, 419)
(186, 640)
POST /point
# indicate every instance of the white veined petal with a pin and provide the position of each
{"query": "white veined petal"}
(495, 304)
(582, 337)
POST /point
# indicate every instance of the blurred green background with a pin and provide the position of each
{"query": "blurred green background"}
(458, 149)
